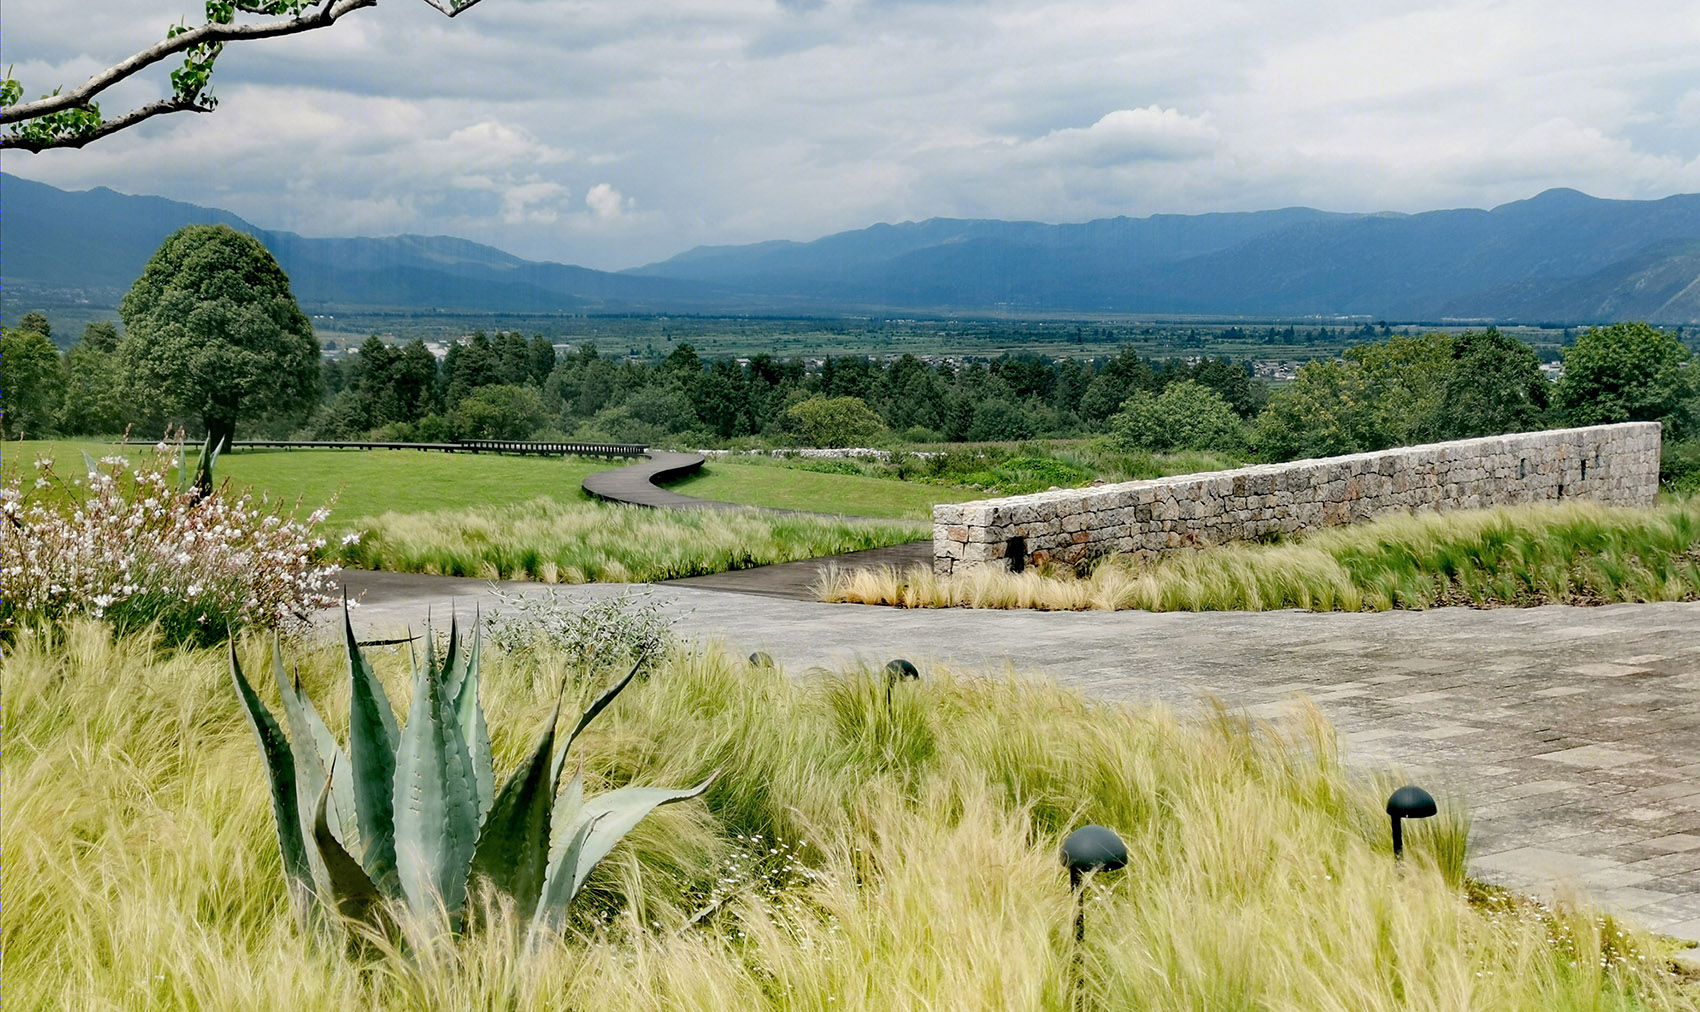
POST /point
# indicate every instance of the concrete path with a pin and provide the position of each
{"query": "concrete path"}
(637, 485)
(1572, 733)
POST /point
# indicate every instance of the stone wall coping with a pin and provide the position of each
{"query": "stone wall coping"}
(1475, 445)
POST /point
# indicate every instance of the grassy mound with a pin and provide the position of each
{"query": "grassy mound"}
(1577, 553)
(849, 856)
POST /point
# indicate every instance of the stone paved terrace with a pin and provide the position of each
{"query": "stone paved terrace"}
(1574, 733)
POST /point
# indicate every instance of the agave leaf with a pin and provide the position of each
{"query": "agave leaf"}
(617, 813)
(204, 465)
(305, 725)
(472, 727)
(371, 747)
(92, 465)
(351, 891)
(309, 770)
(584, 839)
(280, 772)
(451, 668)
(564, 813)
(513, 846)
(436, 802)
(558, 891)
(597, 707)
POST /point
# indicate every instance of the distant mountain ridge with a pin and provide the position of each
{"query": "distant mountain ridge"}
(1560, 257)
(100, 240)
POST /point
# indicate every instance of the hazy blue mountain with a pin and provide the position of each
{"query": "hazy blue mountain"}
(1561, 256)
(99, 240)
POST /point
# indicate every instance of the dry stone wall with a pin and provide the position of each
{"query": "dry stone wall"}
(1617, 464)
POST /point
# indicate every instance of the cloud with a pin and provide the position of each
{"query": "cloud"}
(605, 202)
(535, 202)
(1129, 135)
(743, 120)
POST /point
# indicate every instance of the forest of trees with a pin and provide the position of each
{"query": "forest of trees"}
(1399, 390)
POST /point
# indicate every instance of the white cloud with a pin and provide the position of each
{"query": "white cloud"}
(741, 120)
(605, 201)
(537, 202)
(1129, 135)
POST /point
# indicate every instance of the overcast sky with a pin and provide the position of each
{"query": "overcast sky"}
(615, 134)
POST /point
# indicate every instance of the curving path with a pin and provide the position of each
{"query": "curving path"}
(1574, 733)
(637, 485)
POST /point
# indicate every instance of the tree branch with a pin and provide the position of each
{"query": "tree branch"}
(110, 126)
(208, 34)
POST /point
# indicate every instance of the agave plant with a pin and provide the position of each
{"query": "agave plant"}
(411, 815)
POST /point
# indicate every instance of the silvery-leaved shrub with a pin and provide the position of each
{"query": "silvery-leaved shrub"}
(409, 817)
(590, 633)
(133, 546)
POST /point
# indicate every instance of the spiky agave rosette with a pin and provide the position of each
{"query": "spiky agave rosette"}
(411, 815)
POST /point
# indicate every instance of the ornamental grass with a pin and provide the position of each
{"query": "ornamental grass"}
(1573, 553)
(849, 856)
(553, 542)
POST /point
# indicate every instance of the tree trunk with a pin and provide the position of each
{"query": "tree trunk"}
(221, 431)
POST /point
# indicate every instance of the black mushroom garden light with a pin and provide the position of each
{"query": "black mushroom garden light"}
(898, 670)
(1408, 802)
(1087, 849)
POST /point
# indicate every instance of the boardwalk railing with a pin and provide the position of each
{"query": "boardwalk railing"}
(515, 446)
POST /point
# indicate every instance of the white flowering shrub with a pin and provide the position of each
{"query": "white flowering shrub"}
(125, 544)
(590, 632)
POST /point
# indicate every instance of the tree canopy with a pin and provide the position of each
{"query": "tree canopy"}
(212, 331)
(1630, 372)
(1187, 415)
(32, 381)
(71, 118)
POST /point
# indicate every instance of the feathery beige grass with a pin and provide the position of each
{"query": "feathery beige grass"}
(603, 542)
(1576, 553)
(849, 857)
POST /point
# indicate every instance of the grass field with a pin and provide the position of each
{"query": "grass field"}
(367, 483)
(1577, 553)
(847, 857)
(800, 489)
(527, 518)
(364, 483)
(603, 542)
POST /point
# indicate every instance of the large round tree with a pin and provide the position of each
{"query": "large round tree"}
(210, 329)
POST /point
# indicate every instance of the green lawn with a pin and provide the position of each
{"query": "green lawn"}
(365, 483)
(796, 489)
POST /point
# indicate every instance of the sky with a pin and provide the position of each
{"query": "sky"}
(618, 134)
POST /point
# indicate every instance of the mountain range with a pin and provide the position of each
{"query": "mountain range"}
(1558, 257)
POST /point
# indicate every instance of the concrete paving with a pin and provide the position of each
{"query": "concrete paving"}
(637, 485)
(1573, 734)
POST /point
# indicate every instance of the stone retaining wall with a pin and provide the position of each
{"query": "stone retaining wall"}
(1617, 464)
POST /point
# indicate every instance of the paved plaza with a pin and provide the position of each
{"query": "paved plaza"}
(1573, 733)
